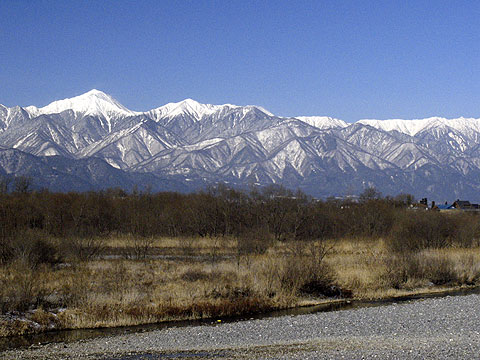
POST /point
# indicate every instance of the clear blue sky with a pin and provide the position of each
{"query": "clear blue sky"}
(347, 59)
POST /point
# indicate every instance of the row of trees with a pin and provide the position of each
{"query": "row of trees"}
(271, 213)
(219, 211)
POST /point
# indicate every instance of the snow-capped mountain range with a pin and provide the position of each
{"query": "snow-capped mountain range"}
(92, 141)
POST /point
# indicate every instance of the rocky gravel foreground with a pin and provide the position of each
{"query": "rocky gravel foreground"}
(440, 328)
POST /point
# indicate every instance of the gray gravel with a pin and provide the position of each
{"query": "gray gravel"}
(441, 328)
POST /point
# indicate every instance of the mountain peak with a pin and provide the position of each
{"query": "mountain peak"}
(188, 106)
(95, 92)
(323, 122)
(195, 107)
(189, 101)
(93, 102)
(198, 110)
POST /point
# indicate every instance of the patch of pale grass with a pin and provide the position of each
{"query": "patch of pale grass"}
(357, 263)
(126, 292)
(176, 245)
(465, 262)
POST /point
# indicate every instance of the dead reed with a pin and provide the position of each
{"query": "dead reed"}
(190, 278)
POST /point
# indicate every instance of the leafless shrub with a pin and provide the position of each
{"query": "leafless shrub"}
(398, 270)
(304, 270)
(421, 230)
(256, 241)
(216, 244)
(114, 280)
(29, 246)
(19, 289)
(468, 267)
(82, 248)
(467, 230)
(440, 270)
(421, 267)
(6, 250)
(139, 247)
(187, 246)
(76, 288)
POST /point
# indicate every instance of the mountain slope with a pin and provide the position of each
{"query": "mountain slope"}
(188, 144)
(57, 173)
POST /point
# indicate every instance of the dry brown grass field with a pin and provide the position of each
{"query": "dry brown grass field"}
(145, 280)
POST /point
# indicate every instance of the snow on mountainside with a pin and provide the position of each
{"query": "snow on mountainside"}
(323, 122)
(189, 144)
(413, 127)
(187, 106)
(194, 109)
(94, 102)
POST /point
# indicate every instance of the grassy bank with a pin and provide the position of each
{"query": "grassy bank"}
(126, 280)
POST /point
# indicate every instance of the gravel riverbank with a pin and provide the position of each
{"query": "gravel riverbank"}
(439, 328)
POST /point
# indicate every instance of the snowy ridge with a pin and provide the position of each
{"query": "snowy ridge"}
(413, 127)
(195, 109)
(323, 122)
(187, 106)
(262, 109)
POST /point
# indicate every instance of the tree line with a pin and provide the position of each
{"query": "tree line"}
(272, 212)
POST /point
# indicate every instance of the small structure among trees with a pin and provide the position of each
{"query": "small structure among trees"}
(465, 205)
